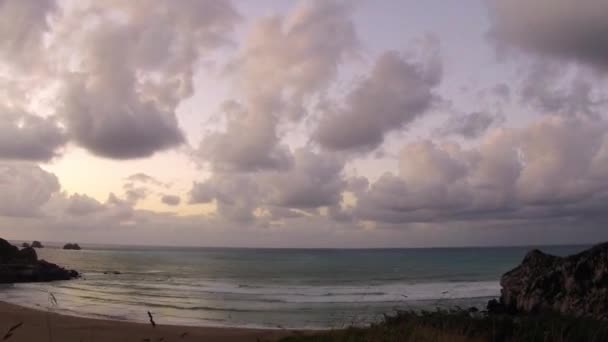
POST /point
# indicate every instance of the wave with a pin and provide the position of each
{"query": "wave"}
(213, 302)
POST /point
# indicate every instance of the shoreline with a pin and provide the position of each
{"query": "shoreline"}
(40, 325)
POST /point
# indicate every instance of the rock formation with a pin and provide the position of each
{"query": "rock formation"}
(18, 266)
(73, 246)
(574, 285)
(37, 244)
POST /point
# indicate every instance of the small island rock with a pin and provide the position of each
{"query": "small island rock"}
(37, 244)
(73, 246)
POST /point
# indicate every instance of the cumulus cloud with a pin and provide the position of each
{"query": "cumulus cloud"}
(565, 29)
(171, 200)
(82, 205)
(120, 103)
(24, 188)
(314, 180)
(549, 169)
(285, 62)
(113, 73)
(470, 126)
(29, 137)
(397, 91)
(546, 88)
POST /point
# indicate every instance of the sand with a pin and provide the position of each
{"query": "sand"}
(42, 326)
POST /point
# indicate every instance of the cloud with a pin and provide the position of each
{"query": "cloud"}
(314, 180)
(236, 195)
(286, 61)
(22, 26)
(129, 73)
(29, 137)
(469, 126)
(82, 205)
(396, 92)
(550, 169)
(568, 30)
(145, 179)
(24, 188)
(171, 200)
(548, 88)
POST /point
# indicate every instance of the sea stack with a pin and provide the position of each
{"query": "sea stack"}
(575, 285)
(18, 266)
(37, 244)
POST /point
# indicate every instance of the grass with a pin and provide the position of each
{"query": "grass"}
(461, 325)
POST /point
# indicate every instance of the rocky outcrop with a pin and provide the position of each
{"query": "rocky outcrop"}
(575, 285)
(73, 246)
(17, 266)
(37, 244)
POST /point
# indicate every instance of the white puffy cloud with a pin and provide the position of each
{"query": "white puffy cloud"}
(549, 169)
(285, 62)
(134, 70)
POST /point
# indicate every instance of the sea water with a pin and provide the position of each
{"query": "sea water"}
(271, 288)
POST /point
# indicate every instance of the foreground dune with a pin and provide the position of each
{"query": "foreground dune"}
(41, 326)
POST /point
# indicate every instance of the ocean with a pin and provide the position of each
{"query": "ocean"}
(269, 288)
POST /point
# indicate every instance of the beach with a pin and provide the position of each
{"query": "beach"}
(42, 326)
(265, 288)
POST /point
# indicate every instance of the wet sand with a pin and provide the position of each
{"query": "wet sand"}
(42, 326)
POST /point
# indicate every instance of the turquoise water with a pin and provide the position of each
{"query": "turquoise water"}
(290, 288)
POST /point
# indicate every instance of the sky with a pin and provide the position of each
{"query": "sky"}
(312, 123)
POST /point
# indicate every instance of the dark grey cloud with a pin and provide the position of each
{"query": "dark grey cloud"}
(569, 30)
(470, 126)
(553, 168)
(171, 200)
(29, 137)
(396, 92)
(24, 189)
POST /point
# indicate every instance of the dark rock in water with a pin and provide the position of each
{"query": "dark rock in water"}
(575, 285)
(18, 266)
(112, 272)
(27, 256)
(25, 245)
(7, 251)
(37, 244)
(73, 246)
